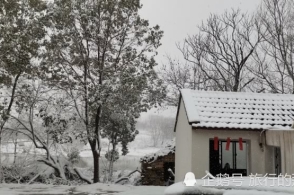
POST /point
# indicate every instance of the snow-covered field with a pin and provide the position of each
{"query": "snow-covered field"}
(141, 146)
(138, 148)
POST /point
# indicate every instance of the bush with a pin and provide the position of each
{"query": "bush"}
(20, 172)
(74, 156)
(114, 153)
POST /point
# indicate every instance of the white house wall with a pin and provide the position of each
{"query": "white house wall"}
(270, 159)
(284, 139)
(183, 161)
(256, 159)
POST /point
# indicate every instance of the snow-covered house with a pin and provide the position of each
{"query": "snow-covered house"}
(234, 133)
(158, 168)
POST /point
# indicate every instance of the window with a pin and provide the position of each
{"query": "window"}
(231, 161)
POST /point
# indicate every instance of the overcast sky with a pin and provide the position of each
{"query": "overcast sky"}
(179, 18)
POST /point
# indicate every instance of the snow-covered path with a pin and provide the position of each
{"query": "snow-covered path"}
(100, 189)
(144, 190)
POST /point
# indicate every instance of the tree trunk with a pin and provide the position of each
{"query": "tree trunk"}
(58, 168)
(5, 120)
(111, 162)
(1, 168)
(110, 169)
(61, 173)
(96, 157)
(15, 148)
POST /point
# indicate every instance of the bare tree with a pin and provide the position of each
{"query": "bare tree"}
(160, 128)
(222, 50)
(43, 117)
(177, 76)
(20, 168)
(274, 56)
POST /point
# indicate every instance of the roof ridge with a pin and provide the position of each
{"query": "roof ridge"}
(235, 92)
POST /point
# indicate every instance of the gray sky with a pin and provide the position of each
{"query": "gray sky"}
(179, 18)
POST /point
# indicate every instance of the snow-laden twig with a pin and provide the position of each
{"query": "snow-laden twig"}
(127, 177)
(36, 176)
(122, 179)
(171, 172)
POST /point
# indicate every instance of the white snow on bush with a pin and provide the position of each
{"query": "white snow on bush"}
(238, 109)
(169, 148)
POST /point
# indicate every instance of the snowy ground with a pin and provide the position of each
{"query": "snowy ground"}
(97, 189)
(144, 190)
(235, 186)
(176, 189)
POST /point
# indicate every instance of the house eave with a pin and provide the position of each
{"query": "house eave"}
(226, 129)
(178, 110)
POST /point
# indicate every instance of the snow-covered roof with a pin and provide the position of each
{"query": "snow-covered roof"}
(168, 149)
(238, 109)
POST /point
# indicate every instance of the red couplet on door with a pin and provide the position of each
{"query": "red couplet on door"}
(240, 143)
(228, 143)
